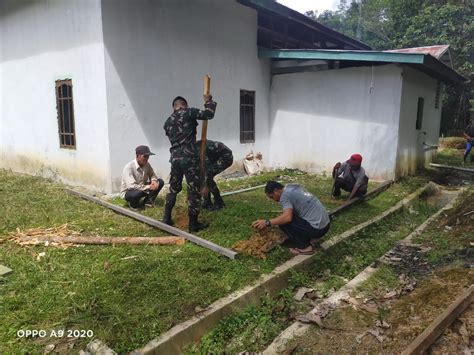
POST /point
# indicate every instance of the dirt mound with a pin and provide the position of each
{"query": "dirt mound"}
(259, 245)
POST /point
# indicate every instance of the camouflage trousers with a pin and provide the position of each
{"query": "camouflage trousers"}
(189, 168)
(212, 169)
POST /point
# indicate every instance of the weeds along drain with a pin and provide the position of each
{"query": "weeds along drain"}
(248, 330)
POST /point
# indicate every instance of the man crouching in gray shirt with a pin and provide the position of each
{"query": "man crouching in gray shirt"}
(303, 217)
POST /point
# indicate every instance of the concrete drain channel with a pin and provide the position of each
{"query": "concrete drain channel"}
(190, 331)
(298, 329)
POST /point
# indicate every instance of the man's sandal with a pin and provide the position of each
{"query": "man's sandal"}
(297, 251)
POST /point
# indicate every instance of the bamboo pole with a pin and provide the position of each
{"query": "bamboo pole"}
(163, 226)
(40, 239)
(202, 151)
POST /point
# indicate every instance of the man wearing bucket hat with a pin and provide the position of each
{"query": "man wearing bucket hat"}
(140, 185)
(350, 176)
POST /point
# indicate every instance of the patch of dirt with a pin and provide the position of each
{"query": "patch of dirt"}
(260, 244)
(396, 322)
(408, 259)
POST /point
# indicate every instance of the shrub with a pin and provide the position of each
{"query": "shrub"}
(452, 142)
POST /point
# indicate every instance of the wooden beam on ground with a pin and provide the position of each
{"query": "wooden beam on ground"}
(4, 271)
(382, 187)
(41, 239)
(437, 327)
(242, 190)
(442, 166)
(163, 226)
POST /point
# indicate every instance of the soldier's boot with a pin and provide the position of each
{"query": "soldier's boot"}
(207, 203)
(194, 225)
(218, 201)
(169, 204)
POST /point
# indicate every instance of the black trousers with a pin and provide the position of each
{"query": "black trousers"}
(300, 232)
(134, 196)
(340, 183)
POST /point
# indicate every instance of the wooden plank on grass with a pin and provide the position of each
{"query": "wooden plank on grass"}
(382, 187)
(437, 327)
(41, 239)
(4, 271)
(242, 190)
(442, 166)
(163, 226)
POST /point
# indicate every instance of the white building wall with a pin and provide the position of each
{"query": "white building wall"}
(411, 151)
(156, 50)
(42, 41)
(320, 118)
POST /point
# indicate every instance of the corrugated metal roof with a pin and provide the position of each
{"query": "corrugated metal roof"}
(421, 61)
(435, 51)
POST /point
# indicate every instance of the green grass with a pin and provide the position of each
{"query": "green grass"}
(128, 302)
(329, 270)
(453, 157)
(384, 278)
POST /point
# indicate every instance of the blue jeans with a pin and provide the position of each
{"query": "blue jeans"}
(469, 145)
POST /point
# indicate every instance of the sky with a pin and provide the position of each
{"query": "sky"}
(307, 5)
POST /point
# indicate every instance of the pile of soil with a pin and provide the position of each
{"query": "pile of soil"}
(259, 245)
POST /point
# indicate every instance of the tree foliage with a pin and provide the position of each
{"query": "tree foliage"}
(391, 24)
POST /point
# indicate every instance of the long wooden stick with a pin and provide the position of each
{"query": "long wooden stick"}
(442, 166)
(152, 222)
(41, 239)
(382, 187)
(202, 151)
(437, 327)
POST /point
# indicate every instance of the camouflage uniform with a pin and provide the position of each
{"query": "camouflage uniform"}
(180, 128)
(218, 158)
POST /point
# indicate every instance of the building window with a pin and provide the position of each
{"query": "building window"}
(438, 94)
(247, 116)
(65, 108)
(419, 113)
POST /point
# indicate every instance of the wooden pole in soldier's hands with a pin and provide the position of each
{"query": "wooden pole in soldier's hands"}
(202, 151)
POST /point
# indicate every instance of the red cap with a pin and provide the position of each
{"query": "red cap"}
(355, 160)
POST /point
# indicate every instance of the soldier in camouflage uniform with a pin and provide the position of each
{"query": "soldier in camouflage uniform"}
(180, 128)
(218, 158)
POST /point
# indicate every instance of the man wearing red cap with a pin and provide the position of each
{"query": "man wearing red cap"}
(350, 176)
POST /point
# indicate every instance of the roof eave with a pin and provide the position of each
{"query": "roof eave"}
(423, 62)
(303, 19)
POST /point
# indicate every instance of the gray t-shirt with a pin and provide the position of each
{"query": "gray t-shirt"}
(304, 205)
(353, 177)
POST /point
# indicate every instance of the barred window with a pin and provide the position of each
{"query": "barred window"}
(65, 108)
(247, 116)
(438, 94)
(419, 113)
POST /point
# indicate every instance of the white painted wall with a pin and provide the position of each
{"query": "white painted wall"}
(156, 50)
(411, 152)
(320, 118)
(42, 41)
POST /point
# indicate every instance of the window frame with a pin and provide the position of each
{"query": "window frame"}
(61, 102)
(242, 116)
(419, 113)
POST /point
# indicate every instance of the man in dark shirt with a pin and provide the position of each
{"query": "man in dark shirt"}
(180, 128)
(469, 135)
(218, 158)
(350, 176)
